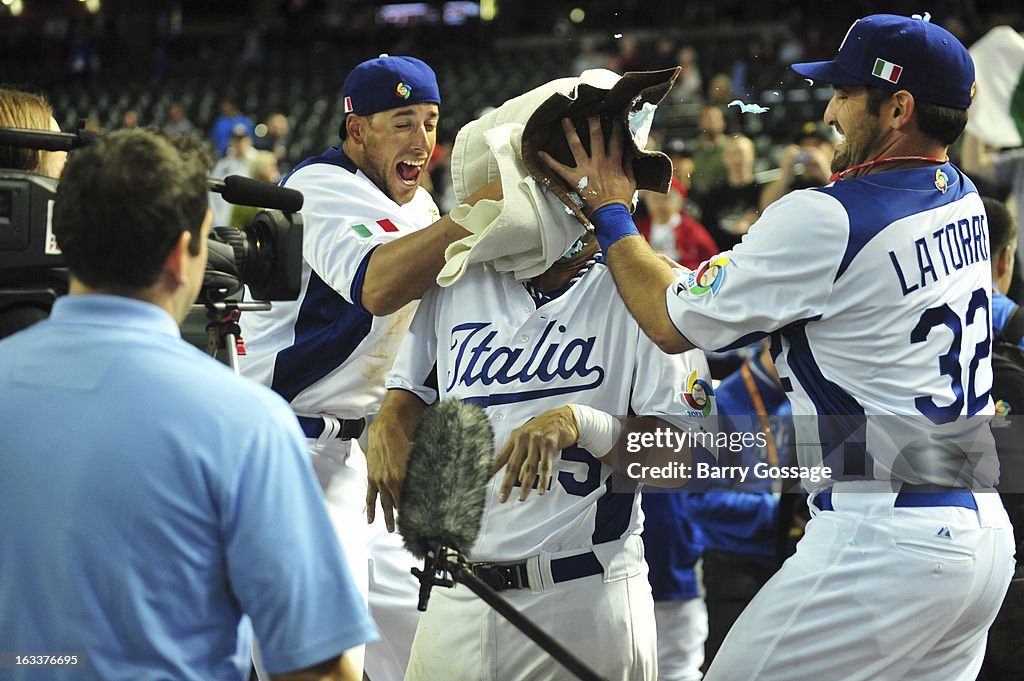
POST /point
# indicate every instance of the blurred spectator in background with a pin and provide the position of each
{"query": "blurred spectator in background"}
(664, 56)
(253, 49)
(791, 48)
(1002, 231)
(177, 123)
(273, 136)
(629, 57)
(229, 118)
(992, 153)
(729, 209)
(740, 76)
(130, 119)
(999, 170)
(234, 162)
(708, 168)
(808, 163)
(999, 173)
(720, 90)
(262, 167)
(672, 231)
(592, 57)
(689, 84)
(814, 45)
(681, 155)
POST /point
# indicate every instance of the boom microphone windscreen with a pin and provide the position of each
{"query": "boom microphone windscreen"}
(446, 478)
(245, 191)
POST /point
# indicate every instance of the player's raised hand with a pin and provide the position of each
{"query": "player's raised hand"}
(531, 449)
(386, 459)
(602, 177)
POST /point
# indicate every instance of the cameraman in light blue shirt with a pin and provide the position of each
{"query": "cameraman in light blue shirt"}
(155, 509)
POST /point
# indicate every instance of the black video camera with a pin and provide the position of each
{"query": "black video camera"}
(265, 255)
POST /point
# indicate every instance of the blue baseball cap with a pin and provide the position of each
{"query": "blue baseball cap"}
(388, 83)
(894, 53)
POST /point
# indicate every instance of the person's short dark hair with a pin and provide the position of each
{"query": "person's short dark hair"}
(193, 149)
(942, 123)
(122, 204)
(1002, 230)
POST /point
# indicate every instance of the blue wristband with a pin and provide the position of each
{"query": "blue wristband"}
(611, 223)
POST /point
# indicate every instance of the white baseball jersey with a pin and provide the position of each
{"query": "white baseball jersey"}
(325, 353)
(485, 341)
(876, 293)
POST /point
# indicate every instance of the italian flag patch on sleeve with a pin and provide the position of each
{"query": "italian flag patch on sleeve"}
(886, 70)
(377, 227)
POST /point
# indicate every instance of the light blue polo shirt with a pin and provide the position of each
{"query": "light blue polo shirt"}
(149, 500)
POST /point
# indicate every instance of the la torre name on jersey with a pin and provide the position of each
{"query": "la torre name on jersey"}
(950, 248)
(552, 358)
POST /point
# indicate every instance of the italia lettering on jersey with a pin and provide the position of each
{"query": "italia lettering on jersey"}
(517, 360)
(555, 357)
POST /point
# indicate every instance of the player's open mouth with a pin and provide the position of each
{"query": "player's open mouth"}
(409, 171)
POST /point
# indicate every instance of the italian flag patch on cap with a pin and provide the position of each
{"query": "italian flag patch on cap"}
(886, 70)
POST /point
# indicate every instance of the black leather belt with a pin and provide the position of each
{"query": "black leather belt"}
(916, 496)
(313, 427)
(514, 576)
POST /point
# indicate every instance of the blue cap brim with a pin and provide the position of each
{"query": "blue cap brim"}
(826, 72)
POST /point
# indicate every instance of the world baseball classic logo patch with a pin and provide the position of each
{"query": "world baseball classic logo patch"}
(698, 395)
(707, 278)
(403, 91)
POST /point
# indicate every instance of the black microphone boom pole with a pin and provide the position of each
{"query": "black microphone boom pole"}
(45, 140)
(443, 497)
(463, 575)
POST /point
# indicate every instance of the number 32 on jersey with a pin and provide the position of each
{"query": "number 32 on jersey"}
(950, 363)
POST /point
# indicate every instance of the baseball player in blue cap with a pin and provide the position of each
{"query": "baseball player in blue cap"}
(875, 290)
(372, 244)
